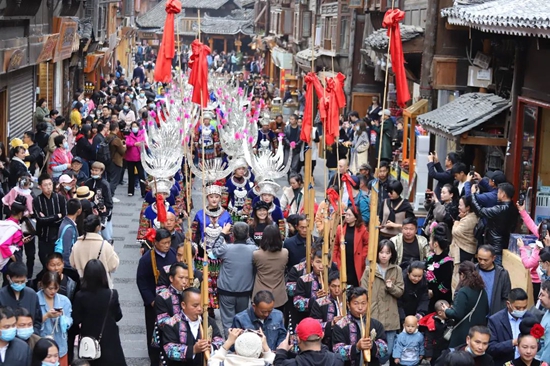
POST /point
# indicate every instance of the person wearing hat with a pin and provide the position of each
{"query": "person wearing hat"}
(486, 192)
(254, 193)
(387, 127)
(268, 192)
(103, 198)
(206, 138)
(238, 186)
(266, 138)
(259, 221)
(347, 340)
(84, 195)
(66, 186)
(251, 349)
(312, 352)
(76, 170)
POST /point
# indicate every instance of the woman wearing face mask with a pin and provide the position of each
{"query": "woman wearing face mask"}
(415, 299)
(84, 149)
(25, 327)
(388, 286)
(140, 101)
(56, 313)
(134, 142)
(65, 186)
(360, 147)
(46, 353)
(127, 114)
(60, 159)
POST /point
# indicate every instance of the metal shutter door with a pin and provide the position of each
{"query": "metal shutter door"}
(21, 101)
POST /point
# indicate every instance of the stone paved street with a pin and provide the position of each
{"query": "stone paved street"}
(125, 224)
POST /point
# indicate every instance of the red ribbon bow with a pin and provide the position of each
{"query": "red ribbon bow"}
(348, 180)
(199, 72)
(163, 67)
(312, 82)
(336, 100)
(150, 235)
(161, 209)
(333, 198)
(391, 21)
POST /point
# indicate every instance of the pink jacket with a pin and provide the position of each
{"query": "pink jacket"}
(531, 262)
(9, 198)
(132, 151)
(11, 235)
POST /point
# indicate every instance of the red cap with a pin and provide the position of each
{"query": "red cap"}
(309, 327)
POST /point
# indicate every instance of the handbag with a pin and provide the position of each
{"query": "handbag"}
(286, 211)
(89, 348)
(449, 331)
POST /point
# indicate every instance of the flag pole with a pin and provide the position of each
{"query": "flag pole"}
(374, 223)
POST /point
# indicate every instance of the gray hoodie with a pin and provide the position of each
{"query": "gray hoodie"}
(237, 269)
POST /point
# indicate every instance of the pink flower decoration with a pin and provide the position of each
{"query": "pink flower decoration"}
(281, 135)
(430, 276)
(187, 138)
(436, 265)
(245, 131)
(238, 136)
(181, 130)
(153, 114)
(251, 139)
(292, 145)
(186, 116)
(178, 118)
(172, 101)
(229, 110)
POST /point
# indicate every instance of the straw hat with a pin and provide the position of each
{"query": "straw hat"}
(83, 193)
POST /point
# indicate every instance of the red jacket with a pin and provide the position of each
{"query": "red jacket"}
(360, 249)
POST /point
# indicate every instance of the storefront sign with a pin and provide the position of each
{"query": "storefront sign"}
(92, 61)
(67, 33)
(147, 35)
(13, 59)
(48, 48)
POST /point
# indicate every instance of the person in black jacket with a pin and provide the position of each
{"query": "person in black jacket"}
(501, 219)
(103, 198)
(17, 352)
(296, 245)
(328, 309)
(84, 149)
(17, 165)
(312, 351)
(36, 154)
(415, 299)
(435, 171)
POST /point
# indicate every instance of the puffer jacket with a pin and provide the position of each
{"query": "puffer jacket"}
(501, 220)
(384, 299)
(133, 152)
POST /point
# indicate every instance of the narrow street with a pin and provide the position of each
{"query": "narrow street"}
(125, 225)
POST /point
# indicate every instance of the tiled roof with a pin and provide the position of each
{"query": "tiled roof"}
(379, 39)
(156, 16)
(239, 21)
(517, 17)
(463, 114)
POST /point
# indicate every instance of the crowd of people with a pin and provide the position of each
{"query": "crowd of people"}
(440, 294)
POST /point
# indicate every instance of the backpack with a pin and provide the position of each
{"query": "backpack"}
(59, 242)
(102, 152)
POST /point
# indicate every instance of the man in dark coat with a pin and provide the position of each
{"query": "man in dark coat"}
(496, 278)
(501, 219)
(436, 171)
(328, 309)
(385, 127)
(477, 343)
(183, 342)
(16, 351)
(296, 245)
(504, 327)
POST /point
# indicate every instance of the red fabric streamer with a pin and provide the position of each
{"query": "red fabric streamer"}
(161, 209)
(336, 100)
(150, 235)
(163, 67)
(391, 21)
(333, 198)
(312, 82)
(199, 72)
(346, 178)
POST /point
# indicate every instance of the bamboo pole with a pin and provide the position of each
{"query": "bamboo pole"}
(186, 176)
(374, 223)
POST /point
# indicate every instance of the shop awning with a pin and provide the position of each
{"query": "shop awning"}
(92, 60)
(463, 114)
(281, 58)
(521, 18)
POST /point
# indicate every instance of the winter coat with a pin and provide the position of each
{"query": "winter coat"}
(388, 128)
(270, 268)
(360, 248)
(133, 152)
(501, 220)
(436, 171)
(307, 358)
(464, 302)
(423, 247)
(501, 289)
(415, 299)
(116, 149)
(384, 299)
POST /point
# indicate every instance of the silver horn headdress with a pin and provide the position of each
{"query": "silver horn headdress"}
(268, 165)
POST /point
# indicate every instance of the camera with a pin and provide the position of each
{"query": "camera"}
(472, 170)
(428, 196)
(521, 200)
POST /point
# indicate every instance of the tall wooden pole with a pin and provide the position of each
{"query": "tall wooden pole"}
(374, 223)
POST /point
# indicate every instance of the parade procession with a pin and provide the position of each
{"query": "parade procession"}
(287, 183)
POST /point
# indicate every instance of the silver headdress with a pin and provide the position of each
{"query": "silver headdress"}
(268, 187)
(266, 119)
(268, 165)
(214, 189)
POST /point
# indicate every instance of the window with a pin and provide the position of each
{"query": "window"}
(274, 25)
(296, 33)
(306, 24)
(344, 34)
(330, 27)
(287, 21)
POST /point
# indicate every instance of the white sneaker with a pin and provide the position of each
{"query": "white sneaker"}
(116, 200)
